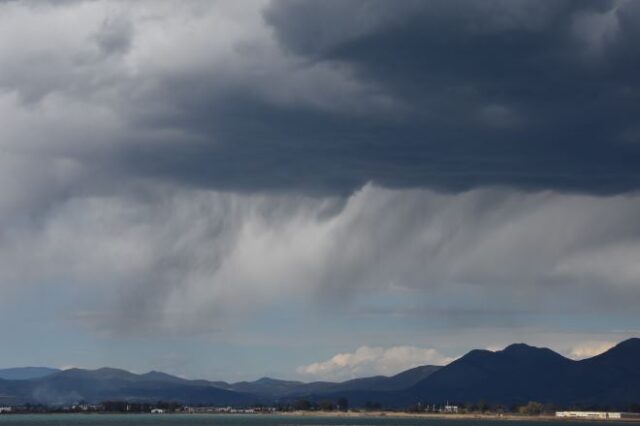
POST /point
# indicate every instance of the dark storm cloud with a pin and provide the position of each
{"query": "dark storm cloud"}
(531, 94)
(448, 95)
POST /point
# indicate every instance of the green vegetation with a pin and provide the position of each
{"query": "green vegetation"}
(532, 408)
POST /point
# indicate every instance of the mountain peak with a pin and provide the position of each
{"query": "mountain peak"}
(104, 372)
(113, 371)
(271, 381)
(159, 375)
(519, 347)
(514, 354)
(532, 353)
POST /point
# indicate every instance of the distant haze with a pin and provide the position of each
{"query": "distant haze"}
(25, 373)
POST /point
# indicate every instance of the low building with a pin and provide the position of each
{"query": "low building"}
(5, 410)
(598, 415)
(452, 409)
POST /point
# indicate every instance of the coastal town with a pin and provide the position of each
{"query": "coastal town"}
(328, 408)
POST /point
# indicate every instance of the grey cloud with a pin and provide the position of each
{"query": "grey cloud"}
(445, 95)
(452, 62)
(115, 36)
(187, 158)
(301, 25)
(167, 261)
(472, 97)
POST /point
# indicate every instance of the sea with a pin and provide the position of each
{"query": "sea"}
(258, 420)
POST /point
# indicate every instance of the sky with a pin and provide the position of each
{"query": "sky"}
(316, 190)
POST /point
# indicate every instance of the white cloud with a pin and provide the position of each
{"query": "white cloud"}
(495, 348)
(589, 349)
(368, 361)
(123, 57)
(68, 367)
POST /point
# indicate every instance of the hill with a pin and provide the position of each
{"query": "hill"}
(287, 389)
(93, 386)
(515, 375)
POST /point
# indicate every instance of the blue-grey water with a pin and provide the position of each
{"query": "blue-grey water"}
(255, 420)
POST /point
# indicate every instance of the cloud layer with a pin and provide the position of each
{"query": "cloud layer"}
(265, 96)
(177, 168)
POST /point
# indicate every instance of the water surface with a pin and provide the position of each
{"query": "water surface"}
(259, 420)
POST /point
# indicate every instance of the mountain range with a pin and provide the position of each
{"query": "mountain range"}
(515, 375)
(522, 373)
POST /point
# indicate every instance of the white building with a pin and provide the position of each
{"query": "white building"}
(5, 410)
(601, 415)
(452, 409)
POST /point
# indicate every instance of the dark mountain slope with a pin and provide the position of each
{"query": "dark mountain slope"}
(621, 359)
(518, 373)
(388, 390)
(287, 389)
(521, 373)
(611, 378)
(410, 377)
(398, 382)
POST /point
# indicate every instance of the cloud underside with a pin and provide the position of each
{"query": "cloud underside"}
(266, 96)
(173, 167)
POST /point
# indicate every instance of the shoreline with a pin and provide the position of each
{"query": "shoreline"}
(363, 415)
(442, 416)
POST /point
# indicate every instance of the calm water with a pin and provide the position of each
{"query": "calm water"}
(253, 420)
